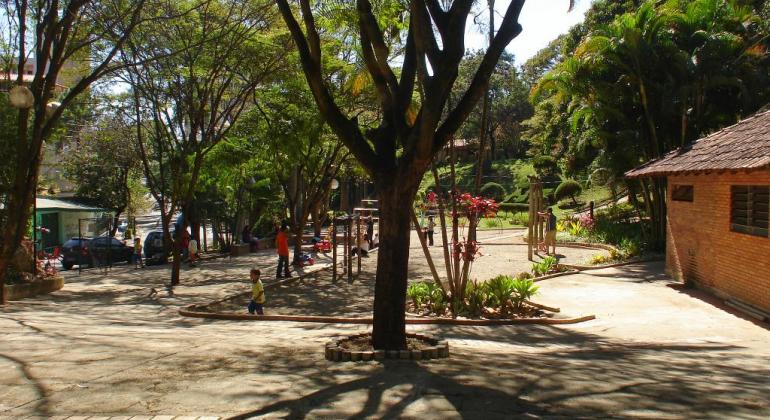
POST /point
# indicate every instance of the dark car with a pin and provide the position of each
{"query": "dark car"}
(93, 252)
(154, 252)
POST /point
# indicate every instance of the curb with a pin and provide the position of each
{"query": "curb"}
(190, 312)
(437, 349)
(581, 268)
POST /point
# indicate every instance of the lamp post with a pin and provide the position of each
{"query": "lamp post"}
(22, 98)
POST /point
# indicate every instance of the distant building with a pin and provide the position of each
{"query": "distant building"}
(64, 219)
(465, 149)
(718, 200)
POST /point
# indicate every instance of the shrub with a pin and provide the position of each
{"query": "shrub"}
(490, 223)
(544, 267)
(523, 276)
(520, 219)
(476, 296)
(524, 289)
(569, 188)
(630, 247)
(500, 291)
(514, 207)
(418, 292)
(599, 259)
(493, 190)
(544, 164)
(436, 298)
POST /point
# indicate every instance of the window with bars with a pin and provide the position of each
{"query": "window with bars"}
(682, 193)
(749, 209)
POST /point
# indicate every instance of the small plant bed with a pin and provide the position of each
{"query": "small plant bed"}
(359, 348)
(502, 297)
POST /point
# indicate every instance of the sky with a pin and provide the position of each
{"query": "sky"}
(542, 21)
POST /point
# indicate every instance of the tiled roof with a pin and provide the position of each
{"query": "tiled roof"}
(55, 204)
(743, 146)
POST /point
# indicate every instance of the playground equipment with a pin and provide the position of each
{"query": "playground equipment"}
(536, 224)
(351, 225)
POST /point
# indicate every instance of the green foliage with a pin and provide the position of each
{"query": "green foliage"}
(520, 219)
(506, 293)
(514, 207)
(544, 267)
(524, 289)
(568, 188)
(106, 166)
(493, 190)
(428, 294)
(631, 247)
(500, 290)
(639, 79)
(418, 292)
(544, 164)
(523, 276)
(490, 223)
(476, 296)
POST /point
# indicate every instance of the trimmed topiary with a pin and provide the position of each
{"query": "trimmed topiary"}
(493, 190)
(569, 188)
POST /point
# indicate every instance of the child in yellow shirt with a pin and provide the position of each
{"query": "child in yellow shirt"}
(257, 293)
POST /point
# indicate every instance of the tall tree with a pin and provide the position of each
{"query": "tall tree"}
(213, 55)
(104, 164)
(398, 149)
(52, 35)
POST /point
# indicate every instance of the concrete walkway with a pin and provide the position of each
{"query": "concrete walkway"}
(102, 347)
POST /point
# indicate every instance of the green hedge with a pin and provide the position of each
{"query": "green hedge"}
(514, 207)
(493, 190)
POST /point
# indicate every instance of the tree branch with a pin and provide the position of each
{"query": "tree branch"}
(346, 129)
(509, 29)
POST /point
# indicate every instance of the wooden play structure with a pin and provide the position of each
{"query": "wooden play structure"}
(349, 230)
(536, 224)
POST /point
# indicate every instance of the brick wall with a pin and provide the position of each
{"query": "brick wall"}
(702, 248)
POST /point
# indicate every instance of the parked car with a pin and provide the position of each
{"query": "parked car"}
(92, 251)
(153, 248)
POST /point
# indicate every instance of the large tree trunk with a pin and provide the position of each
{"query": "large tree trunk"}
(19, 205)
(392, 265)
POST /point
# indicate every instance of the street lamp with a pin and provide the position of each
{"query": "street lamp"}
(21, 97)
(335, 184)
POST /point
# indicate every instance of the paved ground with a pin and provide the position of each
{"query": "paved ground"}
(102, 347)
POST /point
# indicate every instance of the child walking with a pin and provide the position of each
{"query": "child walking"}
(257, 293)
(138, 253)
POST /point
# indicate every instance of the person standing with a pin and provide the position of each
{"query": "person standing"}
(138, 253)
(370, 229)
(431, 227)
(282, 248)
(550, 230)
(256, 304)
(192, 251)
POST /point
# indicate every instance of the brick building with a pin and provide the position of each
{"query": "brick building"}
(718, 200)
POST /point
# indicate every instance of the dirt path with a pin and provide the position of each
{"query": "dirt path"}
(101, 347)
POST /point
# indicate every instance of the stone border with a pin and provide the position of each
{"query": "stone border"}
(580, 267)
(38, 287)
(439, 349)
(190, 311)
(193, 311)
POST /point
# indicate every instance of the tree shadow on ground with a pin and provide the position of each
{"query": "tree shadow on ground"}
(591, 378)
(717, 303)
(636, 273)
(41, 393)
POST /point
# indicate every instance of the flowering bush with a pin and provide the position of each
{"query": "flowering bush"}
(478, 207)
(473, 208)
